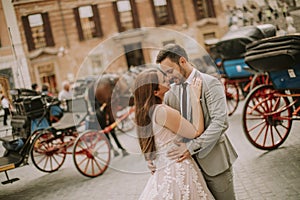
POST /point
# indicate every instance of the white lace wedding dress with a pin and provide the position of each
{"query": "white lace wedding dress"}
(172, 180)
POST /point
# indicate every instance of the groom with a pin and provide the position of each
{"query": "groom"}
(212, 150)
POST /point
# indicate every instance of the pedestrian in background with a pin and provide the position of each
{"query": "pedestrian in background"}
(45, 90)
(6, 107)
(35, 87)
(65, 93)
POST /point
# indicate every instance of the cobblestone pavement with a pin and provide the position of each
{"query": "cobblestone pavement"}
(258, 174)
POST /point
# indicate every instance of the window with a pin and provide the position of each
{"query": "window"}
(204, 9)
(126, 15)
(163, 12)
(37, 31)
(50, 80)
(88, 22)
(134, 54)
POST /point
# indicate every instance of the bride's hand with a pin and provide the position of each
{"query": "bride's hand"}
(196, 87)
(151, 166)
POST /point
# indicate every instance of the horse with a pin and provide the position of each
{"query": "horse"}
(105, 100)
(109, 94)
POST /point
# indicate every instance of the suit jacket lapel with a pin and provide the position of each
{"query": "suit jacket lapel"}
(174, 97)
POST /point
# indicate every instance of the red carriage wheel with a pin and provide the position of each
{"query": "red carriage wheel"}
(232, 96)
(91, 153)
(48, 152)
(267, 118)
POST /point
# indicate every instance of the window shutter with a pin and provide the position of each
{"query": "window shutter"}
(196, 10)
(154, 13)
(135, 15)
(47, 30)
(117, 16)
(96, 19)
(28, 33)
(210, 8)
(170, 12)
(78, 24)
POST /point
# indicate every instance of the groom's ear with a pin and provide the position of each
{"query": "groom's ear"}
(155, 92)
(182, 60)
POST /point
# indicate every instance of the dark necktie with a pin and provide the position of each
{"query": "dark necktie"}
(184, 100)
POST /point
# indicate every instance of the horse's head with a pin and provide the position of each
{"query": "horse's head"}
(116, 90)
(124, 88)
(112, 90)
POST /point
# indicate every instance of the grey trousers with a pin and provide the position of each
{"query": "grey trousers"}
(221, 186)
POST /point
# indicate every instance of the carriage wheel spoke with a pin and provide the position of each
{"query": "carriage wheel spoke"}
(85, 142)
(92, 164)
(255, 117)
(55, 159)
(100, 146)
(87, 165)
(42, 159)
(98, 165)
(272, 136)
(266, 105)
(255, 126)
(260, 132)
(80, 146)
(259, 106)
(276, 104)
(265, 136)
(101, 159)
(46, 162)
(278, 132)
(83, 160)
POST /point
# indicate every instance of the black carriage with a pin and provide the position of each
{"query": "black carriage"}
(33, 134)
(30, 115)
(237, 76)
(269, 110)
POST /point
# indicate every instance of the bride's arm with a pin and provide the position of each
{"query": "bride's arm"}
(172, 120)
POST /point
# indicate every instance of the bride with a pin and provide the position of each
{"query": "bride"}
(159, 127)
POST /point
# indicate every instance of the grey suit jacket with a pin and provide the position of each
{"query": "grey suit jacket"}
(213, 150)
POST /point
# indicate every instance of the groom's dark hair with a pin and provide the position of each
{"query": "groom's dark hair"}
(173, 52)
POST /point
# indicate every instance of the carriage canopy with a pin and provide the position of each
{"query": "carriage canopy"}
(233, 44)
(274, 54)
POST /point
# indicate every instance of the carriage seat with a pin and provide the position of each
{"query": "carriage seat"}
(76, 112)
(9, 161)
(69, 120)
(19, 121)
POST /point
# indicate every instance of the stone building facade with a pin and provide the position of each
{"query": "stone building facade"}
(13, 63)
(69, 39)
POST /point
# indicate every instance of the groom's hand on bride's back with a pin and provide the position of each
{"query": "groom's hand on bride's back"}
(179, 152)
